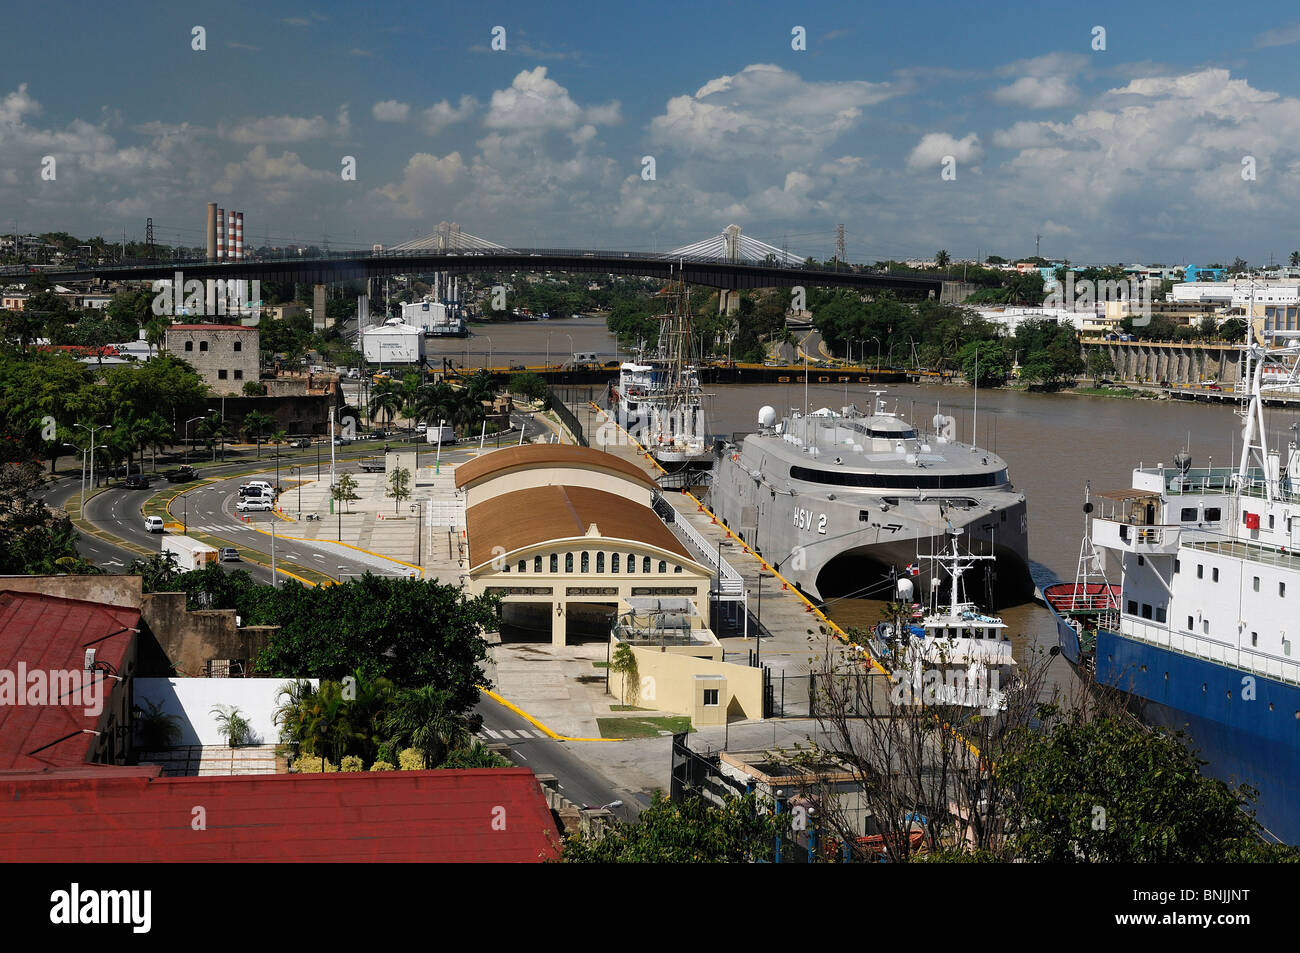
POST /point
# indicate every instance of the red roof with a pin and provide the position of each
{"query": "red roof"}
(129, 815)
(47, 634)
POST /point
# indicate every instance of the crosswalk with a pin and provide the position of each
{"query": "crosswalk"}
(508, 734)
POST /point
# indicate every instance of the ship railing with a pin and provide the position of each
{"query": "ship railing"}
(1254, 552)
(1210, 650)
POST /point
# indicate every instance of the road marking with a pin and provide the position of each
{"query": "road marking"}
(318, 555)
(491, 733)
(507, 732)
(515, 752)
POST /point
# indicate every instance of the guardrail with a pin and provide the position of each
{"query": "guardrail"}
(730, 582)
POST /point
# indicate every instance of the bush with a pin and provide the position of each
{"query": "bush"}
(411, 760)
(382, 766)
(254, 389)
(352, 763)
(311, 764)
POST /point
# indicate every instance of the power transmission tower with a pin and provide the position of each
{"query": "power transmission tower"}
(148, 238)
(839, 244)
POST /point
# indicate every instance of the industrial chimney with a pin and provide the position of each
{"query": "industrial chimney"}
(212, 232)
(239, 236)
(221, 234)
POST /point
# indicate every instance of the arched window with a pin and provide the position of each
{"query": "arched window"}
(600, 562)
(631, 562)
(586, 562)
(523, 565)
(537, 563)
(613, 562)
(555, 562)
(663, 566)
(645, 565)
(677, 569)
(568, 562)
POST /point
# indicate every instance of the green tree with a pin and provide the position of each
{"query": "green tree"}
(1109, 791)
(427, 719)
(528, 384)
(158, 572)
(1295, 259)
(345, 490)
(941, 258)
(990, 357)
(691, 831)
(399, 486)
(624, 663)
(254, 424)
(1100, 363)
(1233, 329)
(386, 400)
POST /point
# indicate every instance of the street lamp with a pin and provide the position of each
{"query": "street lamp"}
(418, 509)
(91, 431)
(294, 472)
(573, 348)
(489, 340)
(877, 340)
(548, 352)
(187, 438)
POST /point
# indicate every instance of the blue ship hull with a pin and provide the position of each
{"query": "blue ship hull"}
(1253, 741)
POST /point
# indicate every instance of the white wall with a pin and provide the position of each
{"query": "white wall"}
(193, 699)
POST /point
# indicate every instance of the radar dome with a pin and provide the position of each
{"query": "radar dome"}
(766, 416)
(905, 590)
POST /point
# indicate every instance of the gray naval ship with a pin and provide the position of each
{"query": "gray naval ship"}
(842, 503)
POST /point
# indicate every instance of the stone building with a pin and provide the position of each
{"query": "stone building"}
(224, 355)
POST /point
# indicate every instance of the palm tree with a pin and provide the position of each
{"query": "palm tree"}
(386, 399)
(422, 718)
(255, 423)
(156, 433)
(213, 429)
(941, 259)
(155, 332)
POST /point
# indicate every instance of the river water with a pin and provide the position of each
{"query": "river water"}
(1052, 443)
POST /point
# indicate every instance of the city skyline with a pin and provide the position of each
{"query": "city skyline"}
(1169, 144)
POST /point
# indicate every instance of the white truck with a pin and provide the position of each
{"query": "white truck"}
(190, 553)
(440, 434)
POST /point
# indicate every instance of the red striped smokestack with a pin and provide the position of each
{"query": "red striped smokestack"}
(230, 235)
(221, 234)
(239, 236)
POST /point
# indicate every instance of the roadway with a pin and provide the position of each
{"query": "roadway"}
(209, 508)
(577, 780)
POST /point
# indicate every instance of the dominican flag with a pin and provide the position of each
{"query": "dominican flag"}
(912, 569)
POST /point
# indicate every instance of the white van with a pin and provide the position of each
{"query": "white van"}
(153, 524)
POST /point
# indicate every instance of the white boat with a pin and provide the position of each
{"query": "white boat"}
(956, 654)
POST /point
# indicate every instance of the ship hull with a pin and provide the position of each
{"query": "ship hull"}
(848, 546)
(1245, 726)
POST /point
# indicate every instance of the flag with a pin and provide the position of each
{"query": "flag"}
(912, 569)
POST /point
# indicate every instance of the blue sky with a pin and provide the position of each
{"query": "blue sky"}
(1131, 153)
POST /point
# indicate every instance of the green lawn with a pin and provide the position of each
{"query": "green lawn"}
(643, 727)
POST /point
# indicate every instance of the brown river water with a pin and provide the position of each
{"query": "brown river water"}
(1052, 443)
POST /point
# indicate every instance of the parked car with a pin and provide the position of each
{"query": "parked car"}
(1105, 382)
(254, 505)
(137, 481)
(302, 443)
(123, 470)
(1213, 387)
(229, 555)
(180, 474)
(256, 488)
(153, 524)
(342, 441)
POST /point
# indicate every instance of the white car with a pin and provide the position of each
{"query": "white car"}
(153, 524)
(253, 505)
